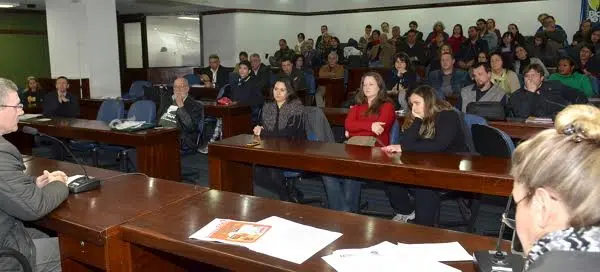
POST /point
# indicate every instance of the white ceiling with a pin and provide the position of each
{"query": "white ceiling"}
(133, 6)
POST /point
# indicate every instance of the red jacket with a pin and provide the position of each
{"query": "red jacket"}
(358, 124)
(455, 43)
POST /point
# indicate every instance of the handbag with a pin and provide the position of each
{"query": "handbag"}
(492, 111)
(362, 140)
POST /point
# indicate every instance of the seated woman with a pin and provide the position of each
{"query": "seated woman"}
(402, 80)
(373, 115)
(507, 47)
(432, 125)
(502, 76)
(557, 194)
(568, 76)
(300, 64)
(280, 118)
(518, 37)
(588, 65)
(33, 95)
(523, 60)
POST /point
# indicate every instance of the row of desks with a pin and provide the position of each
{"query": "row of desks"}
(134, 223)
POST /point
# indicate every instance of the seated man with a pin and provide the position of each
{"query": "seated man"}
(483, 90)
(260, 71)
(295, 76)
(448, 81)
(23, 197)
(541, 98)
(470, 49)
(414, 48)
(331, 70)
(214, 75)
(61, 103)
(284, 52)
(183, 112)
(243, 57)
(567, 75)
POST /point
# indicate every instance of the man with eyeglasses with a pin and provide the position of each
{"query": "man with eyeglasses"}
(61, 103)
(23, 197)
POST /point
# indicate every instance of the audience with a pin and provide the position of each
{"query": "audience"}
(432, 125)
(483, 90)
(490, 38)
(300, 44)
(246, 89)
(299, 64)
(295, 76)
(243, 56)
(335, 47)
(261, 72)
(483, 57)
(491, 27)
(588, 65)
(280, 118)
(503, 77)
(436, 55)
(457, 38)
(284, 52)
(557, 194)
(380, 55)
(330, 70)
(438, 28)
(519, 39)
(557, 38)
(33, 96)
(542, 51)
(396, 39)
(413, 25)
(366, 38)
(320, 38)
(523, 60)
(584, 34)
(402, 81)
(507, 47)
(568, 76)
(448, 81)
(61, 103)
(214, 75)
(309, 54)
(470, 49)
(541, 98)
(385, 30)
(414, 48)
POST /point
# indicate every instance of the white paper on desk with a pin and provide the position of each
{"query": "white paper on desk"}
(291, 241)
(441, 252)
(74, 177)
(382, 257)
(43, 119)
(28, 116)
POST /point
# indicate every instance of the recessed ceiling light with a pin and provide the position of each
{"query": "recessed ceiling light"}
(8, 5)
(188, 18)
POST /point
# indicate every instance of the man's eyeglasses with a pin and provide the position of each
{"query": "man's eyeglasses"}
(19, 106)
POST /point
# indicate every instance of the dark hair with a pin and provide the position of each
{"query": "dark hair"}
(325, 26)
(433, 106)
(287, 59)
(461, 29)
(368, 26)
(413, 23)
(485, 65)
(473, 27)
(493, 21)
(283, 40)
(404, 58)
(246, 63)
(487, 56)
(412, 31)
(381, 98)
(513, 41)
(524, 48)
(62, 77)
(534, 66)
(243, 53)
(291, 93)
(588, 46)
(516, 27)
(505, 63)
(301, 35)
(481, 20)
(376, 31)
(567, 58)
(296, 57)
(336, 39)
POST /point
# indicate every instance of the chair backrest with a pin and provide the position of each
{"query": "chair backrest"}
(490, 141)
(272, 79)
(594, 81)
(193, 79)
(316, 125)
(143, 110)
(9, 252)
(137, 88)
(469, 121)
(200, 126)
(395, 133)
(222, 91)
(310, 82)
(110, 109)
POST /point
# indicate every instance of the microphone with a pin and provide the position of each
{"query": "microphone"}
(79, 185)
(498, 260)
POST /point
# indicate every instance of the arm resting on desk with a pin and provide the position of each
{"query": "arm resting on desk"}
(446, 127)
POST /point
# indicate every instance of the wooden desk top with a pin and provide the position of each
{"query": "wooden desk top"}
(169, 228)
(477, 174)
(85, 129)
(93, 216)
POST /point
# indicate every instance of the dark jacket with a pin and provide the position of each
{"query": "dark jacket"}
(469, 51)
(21, 200)
(246, 91)
(52, 108)
(408, 80)
(32, 99)
(286, 53)
(296, 78)
(263, 75)
(187, 118)
(418, 50)
(459, 80)
(286, 121)
(222, 75)
(449, 136)
(551, 98)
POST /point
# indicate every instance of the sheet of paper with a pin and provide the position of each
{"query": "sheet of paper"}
(74, 177)
(232, 232)
(291, 241)
(441, 252)
(43, 119)
(28, 116)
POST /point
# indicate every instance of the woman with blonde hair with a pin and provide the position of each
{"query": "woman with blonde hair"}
(557, 193)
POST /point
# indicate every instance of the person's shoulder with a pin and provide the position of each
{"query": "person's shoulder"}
(468, 88)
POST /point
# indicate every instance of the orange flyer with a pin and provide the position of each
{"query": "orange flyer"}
(238, 231)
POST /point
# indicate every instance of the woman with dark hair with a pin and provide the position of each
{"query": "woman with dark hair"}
(587, 64)
(502, 75)
(568, 76)
(301, 40)
(523, 60)
(432, 125)
(519, 39)
(280, 118)
(483, 57)
(335, 47)
(491, 27)
(507, 47)
(542, 51)
(457, 38)
(300, 64)
(584, 34)
(402, 80)
(372, 118)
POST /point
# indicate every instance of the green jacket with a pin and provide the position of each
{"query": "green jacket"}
(576, 80)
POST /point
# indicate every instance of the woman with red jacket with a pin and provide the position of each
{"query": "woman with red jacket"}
(373, 115)
(457, 38)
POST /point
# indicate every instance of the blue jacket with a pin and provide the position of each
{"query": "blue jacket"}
(459, 80)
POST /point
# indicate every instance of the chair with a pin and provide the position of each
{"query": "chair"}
(136, 90)
(109, 110)
(292, 177)
(490, 141)
(312, 88)
(193, 79)
(594, 81)
(9, 252)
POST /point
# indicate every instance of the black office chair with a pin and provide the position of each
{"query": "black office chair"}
(9, 252)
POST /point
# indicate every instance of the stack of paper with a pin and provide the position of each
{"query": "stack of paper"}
(538, 120)
(273, 236)
(28, 116)
(402, 257)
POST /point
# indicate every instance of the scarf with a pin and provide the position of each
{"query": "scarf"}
(501, 80)
(572, 239)
(290, 110)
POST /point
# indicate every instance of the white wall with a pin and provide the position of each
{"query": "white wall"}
(321, 5)
(218, 32)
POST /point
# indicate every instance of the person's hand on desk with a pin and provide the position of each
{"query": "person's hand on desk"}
(377, 127)
(48, 177)
(257, 130)
(392, 148)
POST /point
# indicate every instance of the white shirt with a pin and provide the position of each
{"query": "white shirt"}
(214, 75)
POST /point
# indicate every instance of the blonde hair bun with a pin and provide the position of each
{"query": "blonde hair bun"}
(581, 121)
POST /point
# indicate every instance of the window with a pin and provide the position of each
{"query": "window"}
(173, 41)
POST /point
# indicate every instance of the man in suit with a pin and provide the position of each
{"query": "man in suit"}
(214, 75)
(261, 72)
(23, 197)
(295, 76)
(414, 48)
(61, 103)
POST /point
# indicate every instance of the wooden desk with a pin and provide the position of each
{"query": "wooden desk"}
(157, 231)
(230, 163)
(514, 129)
(334, 91)
(237, 118)
(157, 149)
(87, 223)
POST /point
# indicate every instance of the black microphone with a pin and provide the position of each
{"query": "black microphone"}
(498, 260)
(79, 185)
